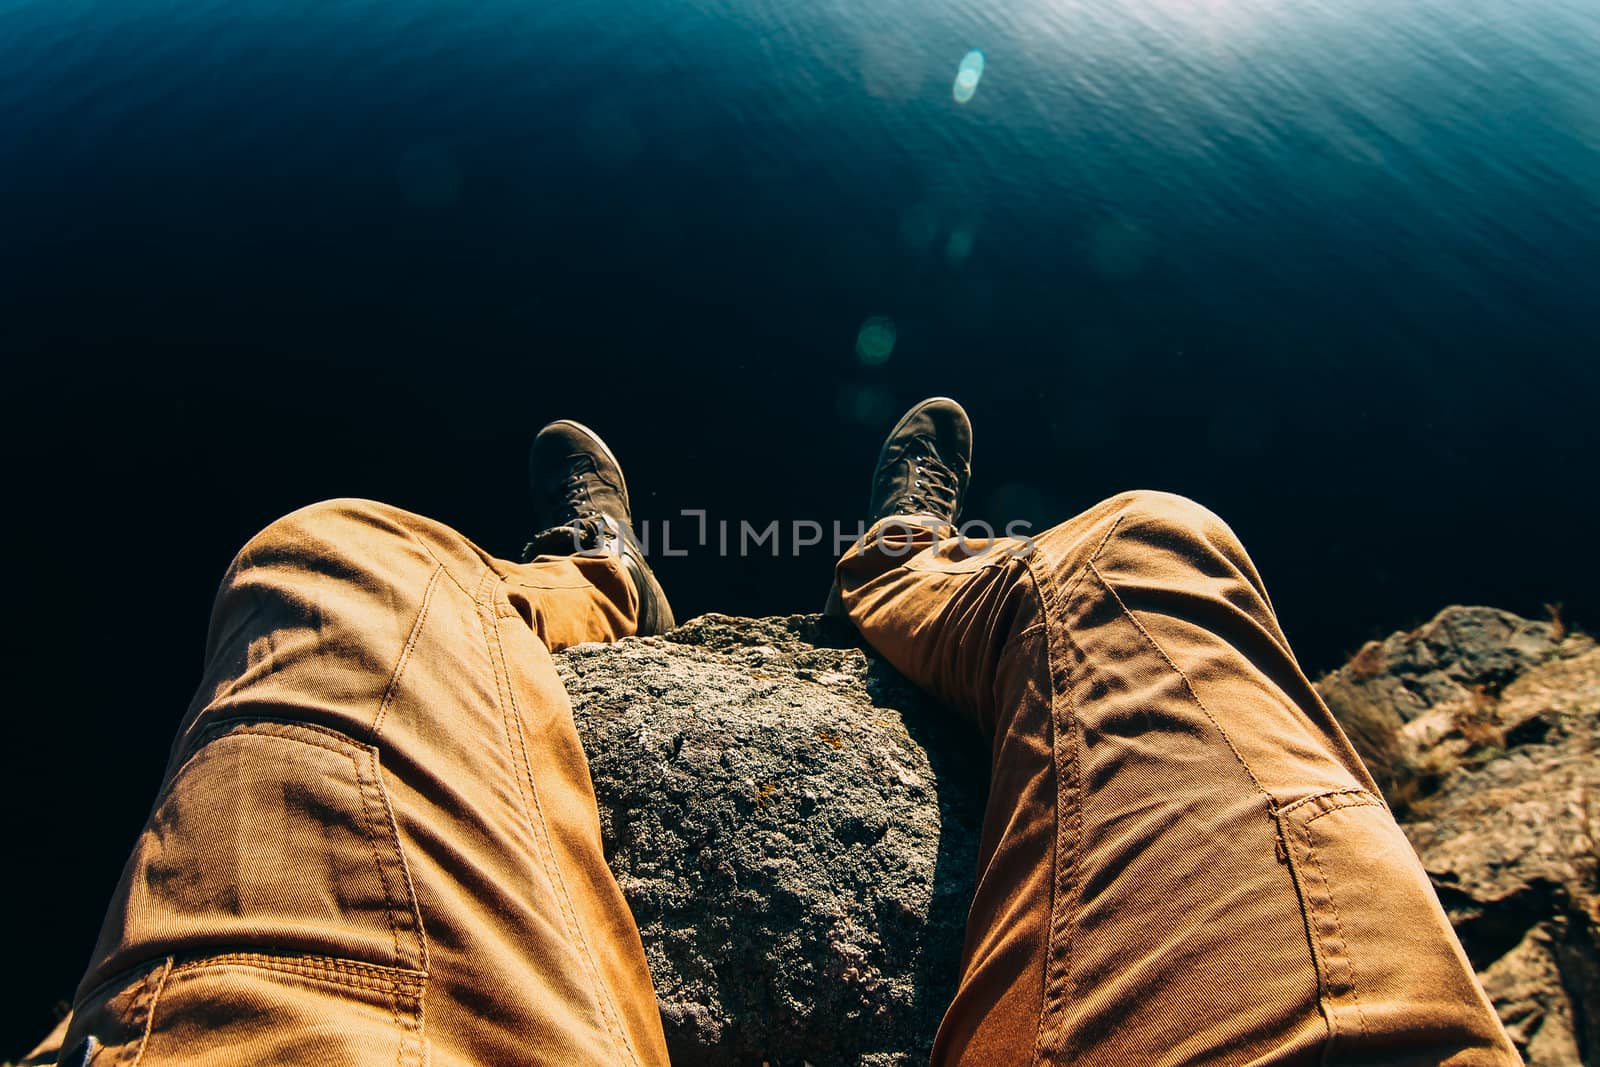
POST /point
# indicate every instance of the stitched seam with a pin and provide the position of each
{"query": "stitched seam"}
(340, 744)
(240, 726)
(150, 1011)
(1327, 1000)
(1064, 884)
(1343, 807)
(1313, 939)
(1071, 587)
(1338, 924)
(337, 749)
(1056, 891)
(411, 1045)
(414, 1048)
(115, 981)
(574, 929)
(399, 1026)
(332, 978)
(1104, 541)
(1072, 799)
(405, 868)
(512, 716)
(1363, 799)
(1187, 685)
(328, 965)
(405, 653)
(377, 859)
(337, 741)
(1064, 888)
(448, 573)
(371, 975)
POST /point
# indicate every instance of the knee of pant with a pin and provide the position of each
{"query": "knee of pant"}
(326, 530)
(1173, 519)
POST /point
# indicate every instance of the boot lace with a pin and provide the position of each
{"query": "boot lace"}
(579, 526)
(576, 504)
(933, 487)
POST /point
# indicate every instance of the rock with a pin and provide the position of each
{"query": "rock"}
(1483, 728)
(796, 830)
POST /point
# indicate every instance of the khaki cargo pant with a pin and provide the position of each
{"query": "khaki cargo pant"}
(377, 840)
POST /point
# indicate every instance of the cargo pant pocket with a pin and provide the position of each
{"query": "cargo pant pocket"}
(1394, 986)
(267, 893)
(256, 1009)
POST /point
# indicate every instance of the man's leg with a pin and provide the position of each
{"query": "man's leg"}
(377, 841)
(1183, 860)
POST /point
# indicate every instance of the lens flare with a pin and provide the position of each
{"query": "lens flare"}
(968, 75)
(876, 339)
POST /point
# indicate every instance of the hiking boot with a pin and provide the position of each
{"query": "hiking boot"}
(581, 503)
(925, 464)
(922, 472)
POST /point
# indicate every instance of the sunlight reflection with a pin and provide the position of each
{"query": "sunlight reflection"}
(967, 76)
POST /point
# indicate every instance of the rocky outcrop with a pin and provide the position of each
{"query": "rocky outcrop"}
(1483, 729)
(796, 828)
(796, 831)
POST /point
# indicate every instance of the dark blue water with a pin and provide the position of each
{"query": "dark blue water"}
(1331, 268)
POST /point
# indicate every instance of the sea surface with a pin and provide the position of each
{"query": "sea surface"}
(1333, 269)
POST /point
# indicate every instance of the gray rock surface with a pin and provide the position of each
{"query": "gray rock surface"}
(796, 831)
